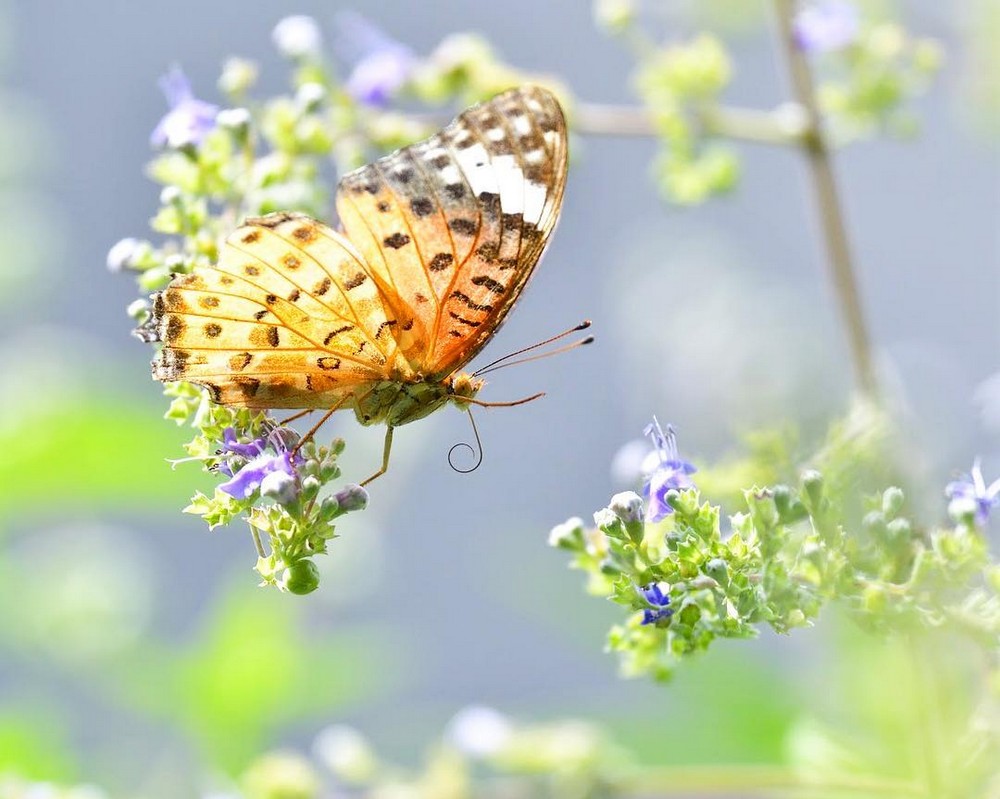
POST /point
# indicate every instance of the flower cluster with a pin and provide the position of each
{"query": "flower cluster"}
(686, 578)
(678, 84)
(870, 68)
(273, 481)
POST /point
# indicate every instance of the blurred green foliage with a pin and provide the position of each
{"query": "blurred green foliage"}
(254, 669)
(97, 452)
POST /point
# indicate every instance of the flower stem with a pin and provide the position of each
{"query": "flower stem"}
(824, 188)
(783, 126)
(756, 781)
(256, 541)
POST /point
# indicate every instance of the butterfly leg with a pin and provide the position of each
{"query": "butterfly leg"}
(295, 416)
(319, 424)
(385, 456)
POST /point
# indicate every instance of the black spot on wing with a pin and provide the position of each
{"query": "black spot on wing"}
(396, 240)
(489, 283)
(441, 261)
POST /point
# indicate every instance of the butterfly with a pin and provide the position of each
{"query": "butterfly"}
(438, 241)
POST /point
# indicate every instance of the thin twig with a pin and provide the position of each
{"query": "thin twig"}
(824, 188)
(783, 126)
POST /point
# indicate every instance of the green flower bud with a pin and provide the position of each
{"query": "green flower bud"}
(280, 775)
(310, 95)
(963, 510)
(690, 613)
(236, 121)
(568, 535)
(124, 254)
(329, 509)
(155, 278)
(611, 567)
(782, 498)
(138, 310)
(310, 488)
(614, 16)
(892, 502)
(874, 523)
(609, 523)
(302, 577)
(170, 195)
(347, 754)
(718, 569)
(328, 470)
(238, 76)
(812, 484)
(874, 599)
(900, 530)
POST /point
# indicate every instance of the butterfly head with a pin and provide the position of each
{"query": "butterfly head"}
(462, 386)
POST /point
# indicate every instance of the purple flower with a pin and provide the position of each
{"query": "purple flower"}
(660, 602)
(264, 457)
(826, 26)
(972, 493)
(231, 446)
(669, 472)
(189, 119)
(379, 64)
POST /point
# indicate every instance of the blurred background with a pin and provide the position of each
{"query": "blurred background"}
(136, 651)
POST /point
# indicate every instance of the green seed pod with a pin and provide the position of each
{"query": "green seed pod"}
(302, 577)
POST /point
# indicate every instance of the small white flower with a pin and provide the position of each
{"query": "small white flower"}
(345, 752)
(297, 36)
(565, 532)
(627, 505)
(478, 731)
(233, 119)
(120, 256)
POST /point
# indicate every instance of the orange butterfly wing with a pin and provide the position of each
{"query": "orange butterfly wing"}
(452, 227)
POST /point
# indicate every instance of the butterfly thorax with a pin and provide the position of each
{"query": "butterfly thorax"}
(398, 402)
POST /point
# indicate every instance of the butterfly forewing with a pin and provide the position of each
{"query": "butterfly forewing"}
(452, 227)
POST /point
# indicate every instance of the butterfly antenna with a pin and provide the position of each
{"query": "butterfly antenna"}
(477, 451)
(582, 326)
(566, 348)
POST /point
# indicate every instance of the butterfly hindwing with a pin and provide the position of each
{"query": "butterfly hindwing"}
(453, 226)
